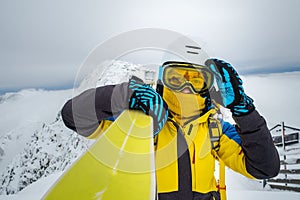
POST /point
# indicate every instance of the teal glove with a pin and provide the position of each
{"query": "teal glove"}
(230, 88)
(145, 98)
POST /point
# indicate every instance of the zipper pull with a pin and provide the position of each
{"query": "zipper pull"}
(194, 156)
(190, 129)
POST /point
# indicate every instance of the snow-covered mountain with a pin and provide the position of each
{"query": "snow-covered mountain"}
(49, 149)
(34, 143)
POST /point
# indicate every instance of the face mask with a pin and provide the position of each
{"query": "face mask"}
(183, 106)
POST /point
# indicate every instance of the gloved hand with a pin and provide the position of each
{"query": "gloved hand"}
(145, 98)
(230, 88)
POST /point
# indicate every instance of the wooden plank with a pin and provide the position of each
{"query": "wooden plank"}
(282, 187)
(282, 162)
(290, 171)
(290, 181)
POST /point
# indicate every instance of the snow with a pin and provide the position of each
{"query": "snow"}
(17, 137)
(237, 191)
(32, 134)
(36, 190)
(261, 195)
(28, 106)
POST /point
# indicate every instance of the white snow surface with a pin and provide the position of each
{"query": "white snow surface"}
(35, 146)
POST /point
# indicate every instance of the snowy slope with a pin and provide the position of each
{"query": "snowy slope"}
(35, 146)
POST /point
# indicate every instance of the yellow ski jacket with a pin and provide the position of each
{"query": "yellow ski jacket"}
(247, 147)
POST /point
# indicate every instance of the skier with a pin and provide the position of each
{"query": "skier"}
(182, 108)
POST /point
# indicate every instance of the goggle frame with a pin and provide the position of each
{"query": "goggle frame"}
(208, 76)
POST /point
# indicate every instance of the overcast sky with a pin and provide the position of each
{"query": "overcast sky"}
(44, 42)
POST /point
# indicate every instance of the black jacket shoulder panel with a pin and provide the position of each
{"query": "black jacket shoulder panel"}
(84, 112)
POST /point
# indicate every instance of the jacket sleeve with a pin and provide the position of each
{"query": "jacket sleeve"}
(261, 157)
(84, 112)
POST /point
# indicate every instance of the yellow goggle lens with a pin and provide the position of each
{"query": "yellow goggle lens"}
(176, 77)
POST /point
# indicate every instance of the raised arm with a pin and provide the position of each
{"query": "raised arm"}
(258, 156)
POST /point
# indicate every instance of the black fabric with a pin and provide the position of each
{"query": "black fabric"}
(215, 95)
(184, 167)
(159, 87)
(262, 159)
(184, 173)
(208, 196)
(84, 112)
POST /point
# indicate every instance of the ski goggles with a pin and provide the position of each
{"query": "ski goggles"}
(178, 75)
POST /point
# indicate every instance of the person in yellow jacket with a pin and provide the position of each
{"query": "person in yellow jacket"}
(183, 109)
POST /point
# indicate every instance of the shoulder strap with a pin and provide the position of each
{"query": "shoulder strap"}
(215, 130)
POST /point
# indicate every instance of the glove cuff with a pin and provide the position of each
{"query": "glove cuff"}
(143, 97)
(245, 107)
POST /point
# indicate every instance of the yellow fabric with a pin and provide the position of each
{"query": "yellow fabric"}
(183, 106)
(166, 158)
(202, 161)
(233, 156)
(221, 183)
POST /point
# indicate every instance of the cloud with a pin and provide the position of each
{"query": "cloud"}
(37, 77)
(47, 37)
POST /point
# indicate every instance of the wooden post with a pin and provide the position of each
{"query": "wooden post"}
(283, 136)
(284, 152)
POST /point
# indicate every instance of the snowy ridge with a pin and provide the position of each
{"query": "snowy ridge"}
(114, 73)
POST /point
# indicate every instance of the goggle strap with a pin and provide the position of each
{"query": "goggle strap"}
(160, 72)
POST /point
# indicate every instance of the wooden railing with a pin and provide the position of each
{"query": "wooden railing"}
(288, 178)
